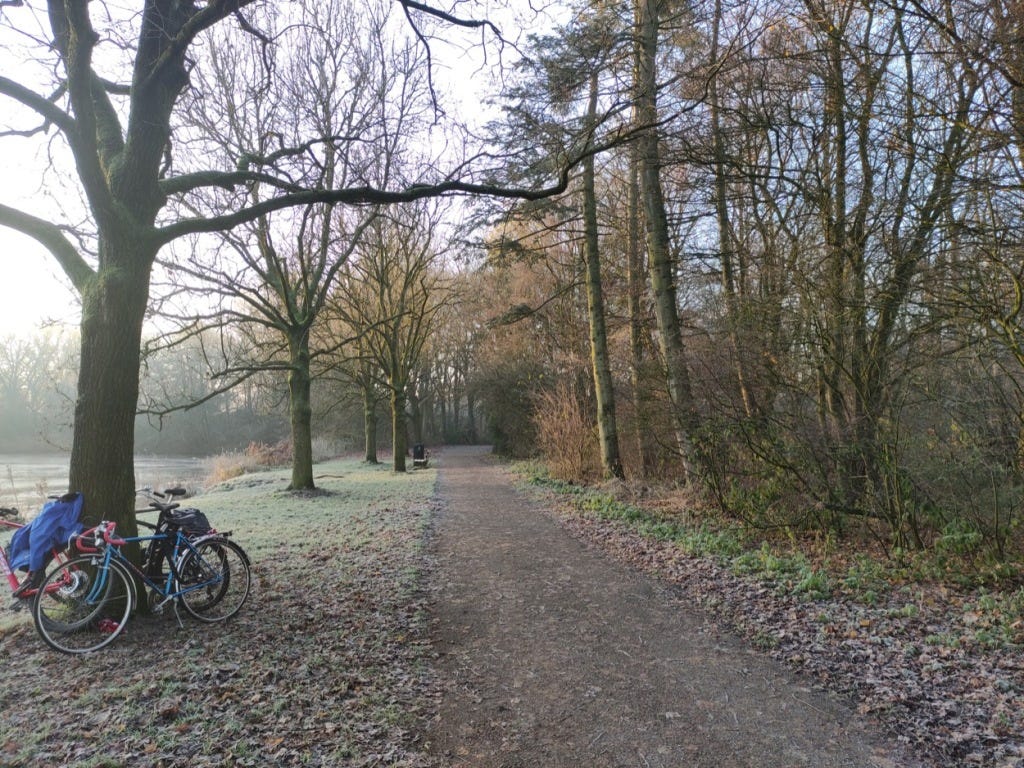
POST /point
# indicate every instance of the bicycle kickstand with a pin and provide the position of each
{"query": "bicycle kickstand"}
(159, 608)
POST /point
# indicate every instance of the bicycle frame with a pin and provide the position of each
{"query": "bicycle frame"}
(8, 572)
(112, 553)
(5, 565)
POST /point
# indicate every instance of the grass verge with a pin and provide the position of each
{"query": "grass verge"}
(992, 618)
(937, 660)
(325, 665)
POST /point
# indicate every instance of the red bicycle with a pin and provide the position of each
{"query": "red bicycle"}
(24, 587)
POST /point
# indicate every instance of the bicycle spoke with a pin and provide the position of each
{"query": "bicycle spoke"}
(82, 606)
(215, 579)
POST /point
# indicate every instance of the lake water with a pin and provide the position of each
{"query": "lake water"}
(26, 479)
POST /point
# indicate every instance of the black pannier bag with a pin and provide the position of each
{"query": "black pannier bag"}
(191, 521)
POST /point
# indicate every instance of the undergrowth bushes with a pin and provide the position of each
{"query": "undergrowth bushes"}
(815, 568)
(943, 473)
(566, 434)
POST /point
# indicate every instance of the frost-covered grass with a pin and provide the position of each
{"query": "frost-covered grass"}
(324, 666)
(346, 506)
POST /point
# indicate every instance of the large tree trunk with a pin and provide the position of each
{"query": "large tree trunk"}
(103, 447)
(369, 423)
(119, 167)
(301, 411)
(399, 440)
(611, 462)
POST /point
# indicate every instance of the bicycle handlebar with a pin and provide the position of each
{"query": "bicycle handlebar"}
(89, 541)
(150, 493)
(156, 498)
(86, 541)
(93, 539)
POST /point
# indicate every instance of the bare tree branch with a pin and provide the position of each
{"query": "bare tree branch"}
(412, 5)
(223, 179)
(52, 238)
(372, 196)
(408, 6)
(43, 106)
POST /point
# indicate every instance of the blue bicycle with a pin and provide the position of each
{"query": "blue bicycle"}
(85, 603)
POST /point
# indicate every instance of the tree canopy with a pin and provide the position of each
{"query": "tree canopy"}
(111, 90)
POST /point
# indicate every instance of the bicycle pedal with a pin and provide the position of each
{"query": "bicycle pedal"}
(17, 605)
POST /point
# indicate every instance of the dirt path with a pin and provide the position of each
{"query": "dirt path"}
(552, 656)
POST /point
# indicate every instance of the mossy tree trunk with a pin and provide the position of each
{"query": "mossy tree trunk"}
(301, 412)
(103, 447)
(604, 390)
(659, 250)
(636, 283)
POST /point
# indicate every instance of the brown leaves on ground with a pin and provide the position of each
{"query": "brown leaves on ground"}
(914, 659)
(323, 667)
(328, 663)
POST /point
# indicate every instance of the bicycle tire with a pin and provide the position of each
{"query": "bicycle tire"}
(74, 614)
(215, 579)
(65, 583)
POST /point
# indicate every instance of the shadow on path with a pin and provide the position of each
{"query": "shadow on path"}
(552, 655)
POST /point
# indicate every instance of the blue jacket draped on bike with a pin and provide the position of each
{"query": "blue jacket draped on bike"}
(51, 528)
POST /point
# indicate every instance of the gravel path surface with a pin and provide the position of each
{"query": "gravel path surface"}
(554, 655)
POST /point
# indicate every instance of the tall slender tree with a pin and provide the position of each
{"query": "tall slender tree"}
(600, 363)
(648, 15)
(561, 98)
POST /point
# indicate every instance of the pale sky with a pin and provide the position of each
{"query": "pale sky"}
(32, 288)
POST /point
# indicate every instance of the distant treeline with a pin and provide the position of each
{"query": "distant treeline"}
(37, 391)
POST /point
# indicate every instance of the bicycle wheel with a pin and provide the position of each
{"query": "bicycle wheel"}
(82, 606)
(215, 579)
